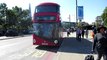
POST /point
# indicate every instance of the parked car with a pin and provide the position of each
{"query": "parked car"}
(2, 32)
(25, 32)
(11, 32)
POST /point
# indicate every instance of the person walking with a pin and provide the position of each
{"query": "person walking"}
(100, 43)
(94, 31)
(86, 33)
(68, 32)
(78, 34)
(82, 32)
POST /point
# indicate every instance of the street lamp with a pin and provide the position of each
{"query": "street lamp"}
(76, 13)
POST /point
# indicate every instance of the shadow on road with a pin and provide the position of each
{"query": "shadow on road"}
(71, 45)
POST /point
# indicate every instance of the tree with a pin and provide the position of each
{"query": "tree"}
(14, 18)
(11, 17)
(26, 19)
(104, 16)
(3, 9)
(22, 17)
(18, 14)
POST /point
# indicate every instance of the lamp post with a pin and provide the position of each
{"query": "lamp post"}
(69, 18)
(76, 13)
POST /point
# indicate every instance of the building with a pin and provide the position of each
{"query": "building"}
(99, 20)
(69, 25)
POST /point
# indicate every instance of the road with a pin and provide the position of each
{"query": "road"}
(21, 48)
(14, 48)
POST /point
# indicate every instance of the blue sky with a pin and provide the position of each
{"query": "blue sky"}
(92, 8)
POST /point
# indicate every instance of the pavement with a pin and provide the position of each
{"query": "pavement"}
(4, 37)
(73, 49)
(11, 37)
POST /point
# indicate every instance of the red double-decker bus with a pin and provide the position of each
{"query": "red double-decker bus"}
(47, 25)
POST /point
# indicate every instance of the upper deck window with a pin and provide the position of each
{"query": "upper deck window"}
(47, 9)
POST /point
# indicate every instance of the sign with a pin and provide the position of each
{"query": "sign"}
(80, 12)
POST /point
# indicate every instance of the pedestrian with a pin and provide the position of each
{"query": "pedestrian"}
(100, 43)
(71, 30)
(86, 33)
(68, 32)
(94, 31)
(82, 33)
(106, 31)
(78, 34)
(92, 34)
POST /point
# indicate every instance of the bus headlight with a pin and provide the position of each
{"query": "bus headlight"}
(55, 41)
(34, 41)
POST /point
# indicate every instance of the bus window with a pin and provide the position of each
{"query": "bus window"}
(47, 9)
(45, 30)
(45, 18)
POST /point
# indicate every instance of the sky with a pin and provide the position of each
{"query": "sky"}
(92, 8)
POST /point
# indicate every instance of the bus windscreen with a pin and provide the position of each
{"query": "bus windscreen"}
(45, 30)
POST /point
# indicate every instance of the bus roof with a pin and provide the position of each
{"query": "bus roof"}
(48, 3)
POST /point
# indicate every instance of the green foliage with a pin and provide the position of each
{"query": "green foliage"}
(3, 9)
(104, 16)
(14, 18)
